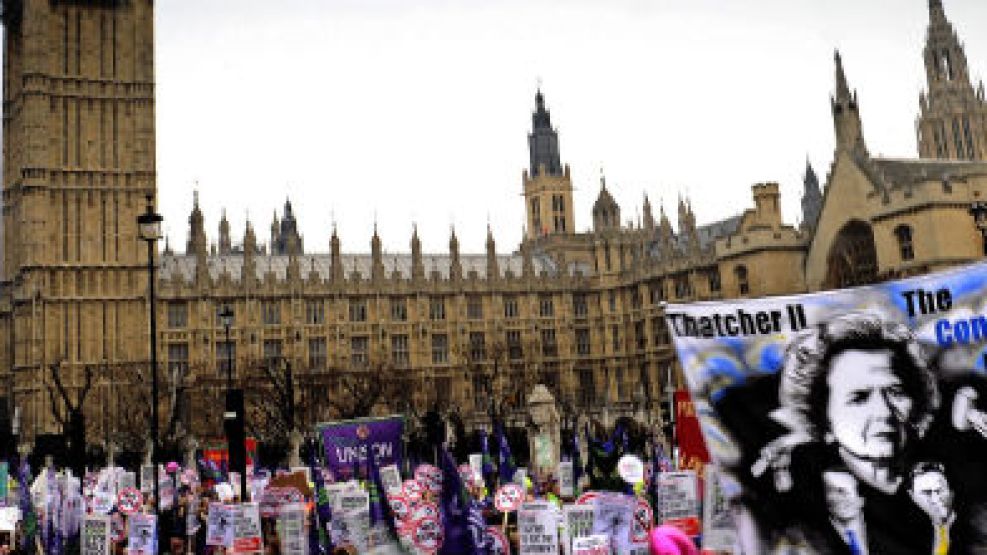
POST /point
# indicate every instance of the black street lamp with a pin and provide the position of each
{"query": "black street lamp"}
(226, 318)
(149, 229)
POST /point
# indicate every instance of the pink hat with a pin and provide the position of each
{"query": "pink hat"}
(669, 540)
(172, 467)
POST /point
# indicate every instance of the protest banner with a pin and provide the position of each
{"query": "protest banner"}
(95, 537)
(577, 521)
(142, 535)
(346, 443)
(247, 534)
(291, 530)
(390, 479)
(613, 516)
(147, 478)
(597, 544)
(537, 525)
(219, 525)
(719, 531)
(4, 477)
(692, 449)
(786, 391)
(678, 501)
(567, 485)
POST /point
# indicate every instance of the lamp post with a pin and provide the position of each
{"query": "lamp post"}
(149, 228)
(978, 210)
(226, 318)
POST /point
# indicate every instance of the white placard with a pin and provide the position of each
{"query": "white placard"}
(147, 478)
(126, 480)
(350, 501)
(8, 518)
(598, 544)
(247, 535)
(577, 521)
(519, 477)
(390, 478)
(141, 537)
(219, 525)
(476, 465)
(567, 486)
(719, 530)
(291, 530)
(537, 526)
(95, 538)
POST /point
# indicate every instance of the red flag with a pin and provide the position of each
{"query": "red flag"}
(692, 449)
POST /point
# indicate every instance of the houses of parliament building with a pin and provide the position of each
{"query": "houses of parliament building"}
(578, 311)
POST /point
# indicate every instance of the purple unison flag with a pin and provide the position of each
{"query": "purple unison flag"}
(455, 511)
(506, 460)
(348, 443)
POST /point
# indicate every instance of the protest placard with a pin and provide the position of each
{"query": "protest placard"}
(4, 469)
(247, 536)
(95, 537)
(577, 521)
(219, 525)
(352, 500)
(126, 480)
(567, 485)
(147, 478)
(291, 529)
(508, 497)
(476, 465)
(390, 478)
(719, 530)
(537, 525)
(614, 516)
(141, 535)
(678, 502)
(597, 544)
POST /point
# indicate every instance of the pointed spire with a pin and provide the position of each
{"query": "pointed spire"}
(648, 216)
(455, 266)
(336, 260)
(417, 265)
(842, 88)
(937, 13)
(376, 257)
(493, 271)
(225, 242)
(248, 272)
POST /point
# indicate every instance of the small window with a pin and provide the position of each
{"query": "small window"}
(478, 348)
(440, 348)
(579, 306)
(358, 310)
(660, 331)
(587, 387)
(177, 314)
(359, 351)
(656, 291)
(399, 309)
(546, 308)
(510, 308)
(271, 313)
(317, 353)
(615, 335)
(613, 301)
(474, 307)
(714, 281)
(315, 312)
(272, 352)
(582, 341)
(904, 235)
(549, 346)
(740, 272)
(437, 308)
(399, 350)
(514, 348)
(177, 357)
(225, 354)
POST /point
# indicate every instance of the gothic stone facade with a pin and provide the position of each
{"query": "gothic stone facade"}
(578, 311)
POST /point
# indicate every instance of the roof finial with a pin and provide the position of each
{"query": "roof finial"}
(842, 89)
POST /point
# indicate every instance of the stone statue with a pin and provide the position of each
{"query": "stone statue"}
(191, 446)
(544, 439)
(294, 449)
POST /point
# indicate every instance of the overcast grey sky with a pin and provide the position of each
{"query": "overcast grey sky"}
(418, 111)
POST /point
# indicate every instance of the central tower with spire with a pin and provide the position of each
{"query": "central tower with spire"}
(546, 182)
(952, 121)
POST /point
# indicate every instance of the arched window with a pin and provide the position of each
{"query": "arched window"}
(740, 272)
(904, 235)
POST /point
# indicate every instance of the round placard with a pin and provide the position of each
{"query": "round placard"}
(508, 498)
(399, 506)
(587, 498)
(424, 510)
(427, 534)
(631, 469)
(412, 490)
(500, 544)
(129, 500)
(643, 519)
(430, 477)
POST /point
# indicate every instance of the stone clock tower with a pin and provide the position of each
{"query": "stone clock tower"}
(78, 161)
